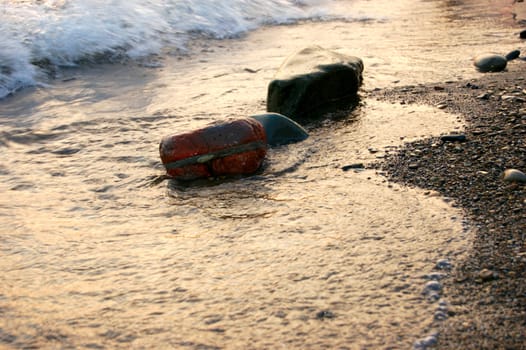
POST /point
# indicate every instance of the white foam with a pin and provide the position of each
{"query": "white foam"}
(16, 70)
(62, 32)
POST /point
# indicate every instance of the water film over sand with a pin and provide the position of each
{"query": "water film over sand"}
(98, 253)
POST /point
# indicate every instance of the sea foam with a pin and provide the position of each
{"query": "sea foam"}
(41, 35)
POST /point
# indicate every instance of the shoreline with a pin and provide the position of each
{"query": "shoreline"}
(487, 290)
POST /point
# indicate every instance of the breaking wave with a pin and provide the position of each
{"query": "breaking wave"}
(39, 36)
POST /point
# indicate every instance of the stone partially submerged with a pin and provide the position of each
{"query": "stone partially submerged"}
(314, 81)
(490, 63)
(280, 130)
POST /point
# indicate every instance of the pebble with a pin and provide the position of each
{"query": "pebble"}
(453, 138)
(487, 275)
(513, 55)
(484, 96)
(472, 86)
(513, 175)
(353, 166)
(324, 314)
(490, 63)
(523, 34)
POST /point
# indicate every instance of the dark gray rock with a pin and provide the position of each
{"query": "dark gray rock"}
(513, 55)
(314, 81)
(324, 314)
(281, 130)
(490, 63)
(453, 138)
(484, 96)
(523, 34)
(353, 166)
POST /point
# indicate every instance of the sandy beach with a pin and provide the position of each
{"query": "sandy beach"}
(488, 288)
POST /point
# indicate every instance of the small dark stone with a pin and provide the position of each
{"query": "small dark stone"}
(217, 330)
(523, 34)
(324, 314)
(484, 96)
(66, 151)
(453, 138)
(487, 275)
(513, 55)
(443, 264)
(353, 166)
(250, 70)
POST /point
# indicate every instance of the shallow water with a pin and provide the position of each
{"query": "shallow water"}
(98, 251)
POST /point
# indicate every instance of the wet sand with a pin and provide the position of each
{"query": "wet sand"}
(487, 289)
